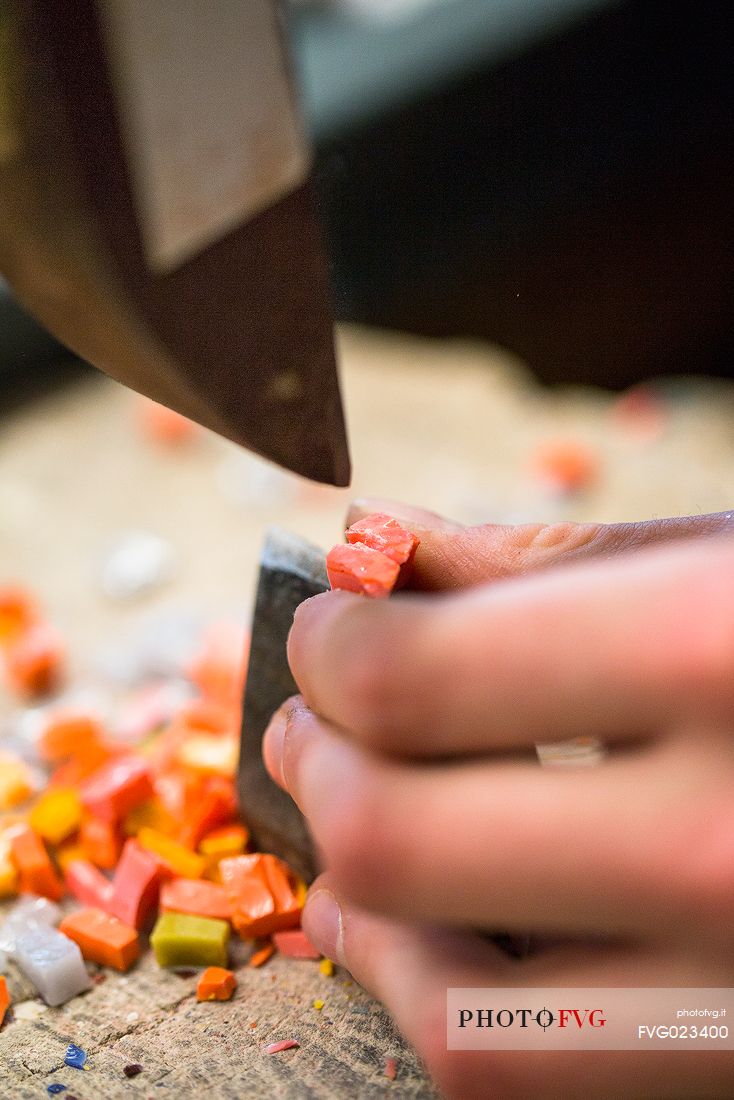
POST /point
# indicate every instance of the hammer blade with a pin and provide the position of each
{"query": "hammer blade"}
(158, 216)
(291, 570)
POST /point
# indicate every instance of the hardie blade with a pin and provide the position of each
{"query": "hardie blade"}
(263, 350)
(157, 215)
(291, 570)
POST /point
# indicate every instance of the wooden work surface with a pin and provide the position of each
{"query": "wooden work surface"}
(448, 426)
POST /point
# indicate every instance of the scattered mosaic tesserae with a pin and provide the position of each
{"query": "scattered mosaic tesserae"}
(4, 999)
(123, 821)
(216, 984)
(31, 652)
(102, 938)
(378, 557)
(132, 816)
(53, 963)
(179, 939)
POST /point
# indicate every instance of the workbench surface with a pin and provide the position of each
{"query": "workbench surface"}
(448, 426)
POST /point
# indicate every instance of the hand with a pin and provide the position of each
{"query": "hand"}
(398, 756)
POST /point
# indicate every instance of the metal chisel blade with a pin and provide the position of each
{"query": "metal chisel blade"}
(291, 570)
(158, 215)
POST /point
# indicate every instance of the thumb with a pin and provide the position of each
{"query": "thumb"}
(453, 556)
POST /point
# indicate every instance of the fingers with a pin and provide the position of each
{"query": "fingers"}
(610, 649)
(640, 845)
(410, 969)
(453, 556)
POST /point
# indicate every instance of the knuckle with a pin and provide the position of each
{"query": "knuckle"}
(707, 642)
(348, 839)
(711, 860)
(375, 683)
(460, 1074)
(448, 1068)
(540, 542)
(364, 851)
(368, 687)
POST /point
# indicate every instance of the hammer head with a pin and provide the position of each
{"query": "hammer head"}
(158, 217)
(291, 570)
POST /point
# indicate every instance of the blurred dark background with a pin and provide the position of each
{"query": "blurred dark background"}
(552, 175)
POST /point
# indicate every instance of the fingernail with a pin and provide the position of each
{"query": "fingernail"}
(404, 513)
(273, 746)
(323, 924)
(314, 609)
